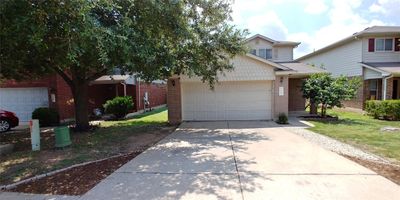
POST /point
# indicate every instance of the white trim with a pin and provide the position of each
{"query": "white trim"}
(384, 42)
(268, 62)
(384, 73)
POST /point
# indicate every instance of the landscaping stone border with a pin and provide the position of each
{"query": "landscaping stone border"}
(337, 146)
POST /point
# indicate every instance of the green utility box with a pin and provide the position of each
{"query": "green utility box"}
(62, 136)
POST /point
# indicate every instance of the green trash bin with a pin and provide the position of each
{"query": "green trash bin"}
(62, 136)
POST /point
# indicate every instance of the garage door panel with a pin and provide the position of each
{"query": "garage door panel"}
(229, 101)
(23, 101)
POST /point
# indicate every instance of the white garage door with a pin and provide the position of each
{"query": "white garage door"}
(229, 101)
(23, 101)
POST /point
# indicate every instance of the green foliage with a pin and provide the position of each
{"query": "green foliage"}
(82, 40)
(282, 119)
(88, 38)
(119, 106)
(46, 116)
(387, 109)
(328, 91)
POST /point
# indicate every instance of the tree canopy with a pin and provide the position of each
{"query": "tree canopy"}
(327, 91)
(82, 40)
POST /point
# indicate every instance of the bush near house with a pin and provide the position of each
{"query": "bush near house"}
(119, 106)
(46, 116)
(387, 109)
(282, 119)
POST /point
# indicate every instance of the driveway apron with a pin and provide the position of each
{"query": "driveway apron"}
(241, 160)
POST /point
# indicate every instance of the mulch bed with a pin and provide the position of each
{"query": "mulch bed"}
(75, 181)
(389, 171)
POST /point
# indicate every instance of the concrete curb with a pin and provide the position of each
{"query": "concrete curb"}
(40, 176)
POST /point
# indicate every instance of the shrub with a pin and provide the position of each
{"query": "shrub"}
(119, 106)
(46, 116)
(282, 119)
(387, 109)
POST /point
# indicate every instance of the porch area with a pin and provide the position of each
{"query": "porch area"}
(382, 88)
(381, 80)
(110, 86)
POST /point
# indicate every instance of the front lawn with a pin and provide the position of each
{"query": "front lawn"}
(110, 138)
(364, 132)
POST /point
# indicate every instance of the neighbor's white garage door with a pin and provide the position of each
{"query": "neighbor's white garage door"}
(229, 101)
(23, 101)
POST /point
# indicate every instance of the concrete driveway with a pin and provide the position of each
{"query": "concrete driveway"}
(241, 160)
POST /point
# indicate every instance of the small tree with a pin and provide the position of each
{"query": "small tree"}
(327, 91)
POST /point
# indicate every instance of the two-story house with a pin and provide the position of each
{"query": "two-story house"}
(264, 82)
(372, 54)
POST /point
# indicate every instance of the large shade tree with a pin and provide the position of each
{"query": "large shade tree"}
(81, 40)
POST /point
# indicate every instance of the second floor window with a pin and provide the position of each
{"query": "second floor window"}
(384, 44)
(265, 53)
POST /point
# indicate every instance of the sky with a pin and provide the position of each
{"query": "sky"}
(314, 23)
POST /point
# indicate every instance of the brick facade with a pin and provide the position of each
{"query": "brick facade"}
(296, 100)
(174, 101)
(358, 101)
(98, 94)
(157, 94)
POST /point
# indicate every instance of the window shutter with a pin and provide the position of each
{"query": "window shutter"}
(371, 45)
(397, 44)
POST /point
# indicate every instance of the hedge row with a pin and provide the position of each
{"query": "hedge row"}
(387, 109)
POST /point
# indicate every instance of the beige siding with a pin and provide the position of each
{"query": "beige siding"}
(342, 60)
(245, 69)
(282, 54)
(371, 74)
(393, 56)
(278, 53)
(258, 43)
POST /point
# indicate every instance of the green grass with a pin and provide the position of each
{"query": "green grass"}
(362, 131)
(108, 139)
(158, 116)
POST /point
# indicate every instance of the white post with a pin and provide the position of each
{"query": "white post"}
(384, 89)
(35, 134)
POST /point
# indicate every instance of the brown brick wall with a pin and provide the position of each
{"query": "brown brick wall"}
(55, 84)
(174, 101)
(389, 88)
(64, 99)
(296, 100)
(157, 94)
(358, 101)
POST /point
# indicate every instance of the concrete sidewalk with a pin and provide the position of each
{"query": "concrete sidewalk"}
(241, 160)
(24, 196)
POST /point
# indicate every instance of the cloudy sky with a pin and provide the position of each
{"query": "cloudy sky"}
(314, 23)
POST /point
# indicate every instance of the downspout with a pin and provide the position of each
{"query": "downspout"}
(124, 84)
(385, 86)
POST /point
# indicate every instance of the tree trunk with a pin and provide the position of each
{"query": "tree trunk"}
(80, 92)
(313, 108)
(323, 110)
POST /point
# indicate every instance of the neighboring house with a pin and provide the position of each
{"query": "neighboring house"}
(52, 91)
(372, 54)
(264, 83)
